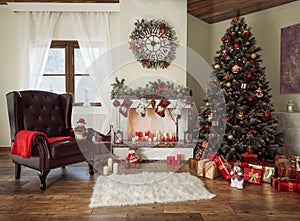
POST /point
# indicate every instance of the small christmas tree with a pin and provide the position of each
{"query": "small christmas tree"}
(249, 125)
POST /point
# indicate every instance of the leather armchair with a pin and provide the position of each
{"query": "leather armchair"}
(50, 113)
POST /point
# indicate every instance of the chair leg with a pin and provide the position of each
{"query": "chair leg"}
(17, 171)
(43, 176)
(91, 169)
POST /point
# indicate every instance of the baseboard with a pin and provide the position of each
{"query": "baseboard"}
(5, 148)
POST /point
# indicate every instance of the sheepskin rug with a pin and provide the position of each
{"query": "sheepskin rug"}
(146, 188)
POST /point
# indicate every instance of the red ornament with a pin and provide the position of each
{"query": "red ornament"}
(251, 131)
(228, 31)
(249, 75)
(211, 83)
(247, 32)
(227, 119)
(250, 99)
(223, 38)
(252, 62)
(236, 45)
(268, 115)
(206, 126)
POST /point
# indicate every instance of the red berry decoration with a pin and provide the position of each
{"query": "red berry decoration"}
(236, 45)
(249, 75)
(250, 99)
(223, 38)
(206, 126)
(227, 119)
(247, 32)
(228, 31)
(268, 115)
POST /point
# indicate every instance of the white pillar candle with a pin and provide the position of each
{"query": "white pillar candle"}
(110, 164)
(116, 168)
(105, 170)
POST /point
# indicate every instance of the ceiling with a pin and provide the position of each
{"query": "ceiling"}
(210, 11)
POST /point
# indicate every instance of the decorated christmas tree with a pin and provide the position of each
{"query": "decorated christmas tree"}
(249, 124)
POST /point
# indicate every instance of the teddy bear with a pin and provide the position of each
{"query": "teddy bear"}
(237, 176)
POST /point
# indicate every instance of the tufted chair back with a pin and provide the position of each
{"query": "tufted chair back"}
(42, 111)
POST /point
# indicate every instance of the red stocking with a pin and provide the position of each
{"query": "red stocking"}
(161, 107)
(125, 107)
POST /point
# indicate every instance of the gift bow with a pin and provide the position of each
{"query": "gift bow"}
(253, 177)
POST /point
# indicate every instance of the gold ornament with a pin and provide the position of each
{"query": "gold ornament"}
(247, 43)
(230, 137)
(217, 66)
(241, 115)
(244, 85)
(206, 104)
(228, 84)
(253, 55)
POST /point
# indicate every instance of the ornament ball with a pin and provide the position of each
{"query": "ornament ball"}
(228, 84)
(230, 136)
(253, 56)
(217, 66)
(250, 99)
(249, 75)
(268, 115)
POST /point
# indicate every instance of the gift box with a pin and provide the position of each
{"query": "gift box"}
(252, 175)
(298, 169)
(241, 164)
(267, 170)
(285, 166)
(223, 166)
(204, 168)
(285, 184)
(249, 157)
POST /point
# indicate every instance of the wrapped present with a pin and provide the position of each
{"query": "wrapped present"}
(249, 157)
(285, 184)
(252, 175)
(204, 168)
(193, 165)
(267, 170)
(285, 166)
(298, 169)
(223, 166)
(241, 164)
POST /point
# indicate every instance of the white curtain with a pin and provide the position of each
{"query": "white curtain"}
(36, 32)
(93, 35)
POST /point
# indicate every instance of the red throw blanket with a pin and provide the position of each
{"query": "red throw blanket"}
(23, 142)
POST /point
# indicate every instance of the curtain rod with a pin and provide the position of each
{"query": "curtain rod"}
(64, 7)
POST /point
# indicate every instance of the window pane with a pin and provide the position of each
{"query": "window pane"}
(56, 61)
(53, 83)
(80, 67)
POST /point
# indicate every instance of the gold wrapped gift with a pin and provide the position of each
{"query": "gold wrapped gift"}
(207, 168)
(267, 171)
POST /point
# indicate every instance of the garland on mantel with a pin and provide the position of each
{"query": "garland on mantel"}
(147, 95)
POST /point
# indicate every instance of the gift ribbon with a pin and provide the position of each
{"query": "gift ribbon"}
(267, 171)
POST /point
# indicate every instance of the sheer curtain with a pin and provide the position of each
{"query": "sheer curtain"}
(93, 35)
(36, 31)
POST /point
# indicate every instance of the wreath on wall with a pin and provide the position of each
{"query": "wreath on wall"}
(153, 43)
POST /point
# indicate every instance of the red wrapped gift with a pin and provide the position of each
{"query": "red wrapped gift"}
(285, 184)
(242, 164)
(267, 170)
(285, 166)
(252, 175)
(249, 157)
(223, 166)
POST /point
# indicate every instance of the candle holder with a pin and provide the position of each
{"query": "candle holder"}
(188, 136)
(118, 136)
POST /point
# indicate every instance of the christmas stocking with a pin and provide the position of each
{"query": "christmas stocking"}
(141, 108)
(179, 105)
(161, 107)
(125, 107)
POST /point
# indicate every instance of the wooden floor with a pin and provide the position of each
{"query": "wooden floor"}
(69, 190)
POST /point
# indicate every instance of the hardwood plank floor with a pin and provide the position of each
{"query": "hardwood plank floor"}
(69, 190)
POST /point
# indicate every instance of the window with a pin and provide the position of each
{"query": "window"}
(65, 69)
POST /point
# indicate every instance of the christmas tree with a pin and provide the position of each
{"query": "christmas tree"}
(249, 125)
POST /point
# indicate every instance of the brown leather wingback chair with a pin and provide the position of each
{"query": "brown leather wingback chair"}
(49, 113)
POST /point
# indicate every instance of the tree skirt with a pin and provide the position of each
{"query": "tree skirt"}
(147, 187)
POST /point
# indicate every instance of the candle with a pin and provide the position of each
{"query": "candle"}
(154, 139)
(168, 138)
(116, 168)
(178, 159)
(133, 139)
(169, 160)
(158, 135)
(105, 170)
(149, 139)
(152, 135)
(109, 163)
(137, 137)
(138, 133)
(173, 160)
(147, 133)
(173, 138)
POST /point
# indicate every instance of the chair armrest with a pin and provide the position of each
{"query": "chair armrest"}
(39, 141)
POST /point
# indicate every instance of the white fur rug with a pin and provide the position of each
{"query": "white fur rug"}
(147, 187)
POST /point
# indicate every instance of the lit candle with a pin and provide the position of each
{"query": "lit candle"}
(116, 168)
(138, 133)
(173, 138)
(147, 133)
(105, 170)
(109, 163)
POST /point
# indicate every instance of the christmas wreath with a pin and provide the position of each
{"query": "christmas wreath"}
(153, 43)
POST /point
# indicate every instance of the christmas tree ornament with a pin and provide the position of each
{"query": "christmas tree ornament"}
(217, 66)
(249, 75)
(161, 107)
(230, 137)
(116, 103)
(223, 38)
(206, 126)
(267, 115)
(259, 93)
(253, 55)
(227, 119)
(247, 43)
(241, 115)
(206, 104)
(228, 31)
(236, 46)
(236, 68)
(244, 85)
(250, 99)
(228, 84)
